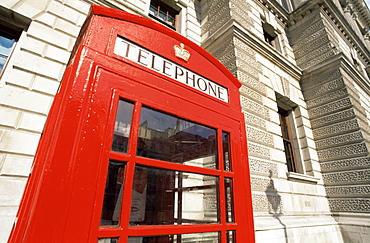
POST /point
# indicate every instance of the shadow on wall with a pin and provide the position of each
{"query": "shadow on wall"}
(275, 204)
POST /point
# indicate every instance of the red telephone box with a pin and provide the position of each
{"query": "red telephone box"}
(145, 142)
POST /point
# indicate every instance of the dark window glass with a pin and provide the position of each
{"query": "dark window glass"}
(164, 13)
(226, 150)
(169, 138)
(230, 236)
(287, 139)
(206, 237)
(113, 194)
(108, 240)
(122, 126)
(229, 200)
(8, 38)
(162, 196)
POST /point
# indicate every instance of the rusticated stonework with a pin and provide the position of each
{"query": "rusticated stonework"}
(327, 98)
(307, 32)
(259, 136)
(345, 164)
(350, 205)
(339, 140)
(348, 190)
(308, 83)
(347, 176)
(262, 167)
(337, 128)
(323, 89)
(343, 151)
(259, 184)
(306, 64)
(218, 15)
(336, 117)
(240, 11)
(257, 150)
(297, 28)
(251, 94)
(267, 203)
(255, 108)
(333, 106)
(254, 120)
(251, 82)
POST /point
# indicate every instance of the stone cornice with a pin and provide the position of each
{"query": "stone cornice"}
(275, 8)
(337, 17)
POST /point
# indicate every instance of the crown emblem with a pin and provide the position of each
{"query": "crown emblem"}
(180, 52)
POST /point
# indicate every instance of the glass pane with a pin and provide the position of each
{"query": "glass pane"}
(162, 196)
(169, 138)
(230, 236)
(226, 150)
(229, 200)
(206, 237)
(113, 194)
(122, 126)
(6, 45)
(108, 240)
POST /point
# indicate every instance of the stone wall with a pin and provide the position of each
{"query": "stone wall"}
(336, 91)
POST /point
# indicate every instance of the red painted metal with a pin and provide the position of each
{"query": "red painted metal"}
(63, 197)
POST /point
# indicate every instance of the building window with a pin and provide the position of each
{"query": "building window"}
(163, 13)
(286, 130)
(271, 36)
(8, 38)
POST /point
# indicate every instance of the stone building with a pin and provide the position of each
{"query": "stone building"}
(305, 94)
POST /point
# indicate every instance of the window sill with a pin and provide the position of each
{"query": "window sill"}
(301, 177)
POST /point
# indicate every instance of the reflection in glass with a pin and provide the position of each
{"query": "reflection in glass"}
(162, 196)
(226, 150)
(113, 194)
(206, 237)
(108, 240)
(122, 126)
(6, 44)
(230, 236)
(169, 138)
(229, 200)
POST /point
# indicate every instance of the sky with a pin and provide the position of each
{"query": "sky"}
(368, 3)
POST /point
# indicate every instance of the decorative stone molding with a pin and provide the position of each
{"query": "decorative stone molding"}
(262, 167)
(343, 152)
(345, 164)
(317, 60)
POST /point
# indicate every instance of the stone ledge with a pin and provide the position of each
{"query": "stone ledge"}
(301, 177)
